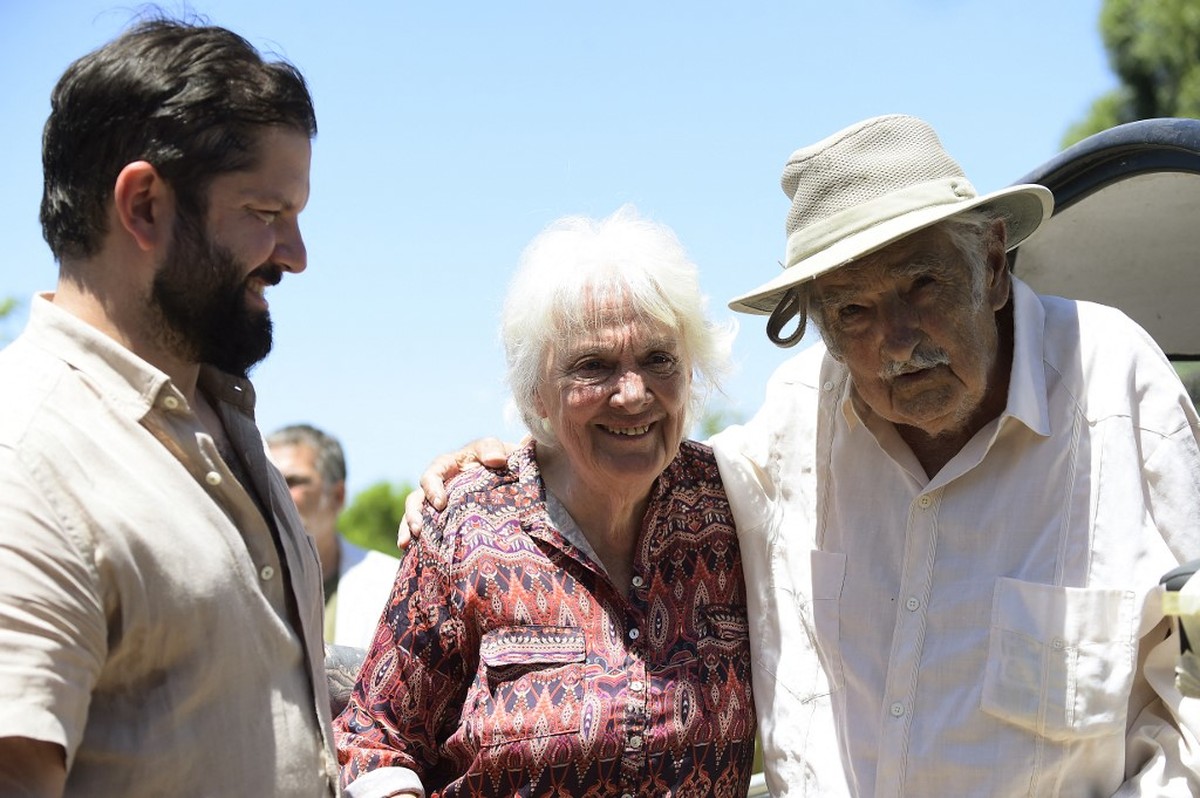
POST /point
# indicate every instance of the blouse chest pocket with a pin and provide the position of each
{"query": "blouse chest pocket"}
(1061, 660)
(530, 683)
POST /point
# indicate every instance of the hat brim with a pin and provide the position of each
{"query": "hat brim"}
(1024, 207)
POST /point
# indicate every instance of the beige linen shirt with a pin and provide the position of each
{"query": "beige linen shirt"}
(152, 622)
(997, 629)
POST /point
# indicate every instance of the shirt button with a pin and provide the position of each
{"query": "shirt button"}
(634, 634)
(212, 478)
(897, 710)
(635, 742)
(266, 573)
(636, 686)
(913, 604)
(638, 581)
(828, 386)
(924, 501)
(1058, 643)
(170, 403)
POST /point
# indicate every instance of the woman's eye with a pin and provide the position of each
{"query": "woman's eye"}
(661, 361)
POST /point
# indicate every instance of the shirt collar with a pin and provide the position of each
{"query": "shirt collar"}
(123, 377)
(126, 379)
(1027, 401)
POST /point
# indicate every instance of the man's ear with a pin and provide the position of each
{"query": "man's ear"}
(144, 205)
(339, 495)
(999, 279)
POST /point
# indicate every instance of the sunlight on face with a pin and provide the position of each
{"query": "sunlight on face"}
(616, 400)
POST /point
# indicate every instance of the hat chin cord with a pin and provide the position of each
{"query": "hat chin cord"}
(790, 307)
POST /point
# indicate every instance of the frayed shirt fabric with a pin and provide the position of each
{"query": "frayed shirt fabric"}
(508, 663)
(997, 629)
(150, 622)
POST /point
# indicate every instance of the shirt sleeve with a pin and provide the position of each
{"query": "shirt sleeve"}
(413, 681)
(767, 470)
(52, 614)
(1163, 738)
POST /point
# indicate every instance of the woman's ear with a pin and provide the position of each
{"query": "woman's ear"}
(143, 204)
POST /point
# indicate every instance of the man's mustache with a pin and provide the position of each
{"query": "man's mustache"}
(922, 358)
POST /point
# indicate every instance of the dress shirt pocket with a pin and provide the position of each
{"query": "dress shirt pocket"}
(828, 578)
(1061, 660)
(532, 683)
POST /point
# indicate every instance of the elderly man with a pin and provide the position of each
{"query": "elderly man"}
(160, 603)
(963, 501)
(357, 581)
(1000, 480)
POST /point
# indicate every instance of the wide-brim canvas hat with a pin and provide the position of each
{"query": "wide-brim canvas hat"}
(870, 185)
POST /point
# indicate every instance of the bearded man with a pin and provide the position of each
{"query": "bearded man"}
(160, 602)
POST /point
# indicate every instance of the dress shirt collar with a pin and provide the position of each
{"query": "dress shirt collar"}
(126, 379)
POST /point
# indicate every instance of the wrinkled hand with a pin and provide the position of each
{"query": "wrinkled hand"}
(490, 452)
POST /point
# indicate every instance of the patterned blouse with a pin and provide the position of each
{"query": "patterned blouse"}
(507, 663)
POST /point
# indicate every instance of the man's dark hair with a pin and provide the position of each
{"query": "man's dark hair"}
(190, 99)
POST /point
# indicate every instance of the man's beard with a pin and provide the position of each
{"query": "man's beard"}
(198, 303)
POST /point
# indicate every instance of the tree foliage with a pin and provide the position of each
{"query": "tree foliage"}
(1154, 48)
(373, 516)
(7, 306)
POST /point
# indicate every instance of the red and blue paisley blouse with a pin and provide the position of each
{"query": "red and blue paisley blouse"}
(506, 662)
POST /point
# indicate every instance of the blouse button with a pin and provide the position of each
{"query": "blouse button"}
(635, 742)
(634, 634)
(638, 581)
(636, 686)
(170, 403)
(266, 573)
(212, 478)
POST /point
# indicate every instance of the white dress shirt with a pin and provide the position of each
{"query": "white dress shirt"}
(993, 630)
(365, 579)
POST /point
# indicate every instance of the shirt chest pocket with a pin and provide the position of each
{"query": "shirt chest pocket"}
(530, 683)
(1061, 660)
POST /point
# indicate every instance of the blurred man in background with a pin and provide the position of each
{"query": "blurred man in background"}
(357, 581)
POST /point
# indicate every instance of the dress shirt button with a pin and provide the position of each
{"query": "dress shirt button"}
(636, 686)
(897, 710)
(170, 403)
(635, 742)
(924, 501)
(913, 604)
(638, 581)
(634, 634)
(212, 478)
(266, 573)
(1058, 643)
(828, 386)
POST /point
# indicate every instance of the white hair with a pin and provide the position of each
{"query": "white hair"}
(576, 267)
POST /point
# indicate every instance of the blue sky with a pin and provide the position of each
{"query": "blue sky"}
(452, 132)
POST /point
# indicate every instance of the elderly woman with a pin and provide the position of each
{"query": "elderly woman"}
(574, 624)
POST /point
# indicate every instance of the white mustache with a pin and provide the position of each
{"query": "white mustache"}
(920, 360)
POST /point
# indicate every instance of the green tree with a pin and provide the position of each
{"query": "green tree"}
(7, 306)
(1154, 49)
(373, 516)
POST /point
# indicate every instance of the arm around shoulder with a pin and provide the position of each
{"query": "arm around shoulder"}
(31, 768)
